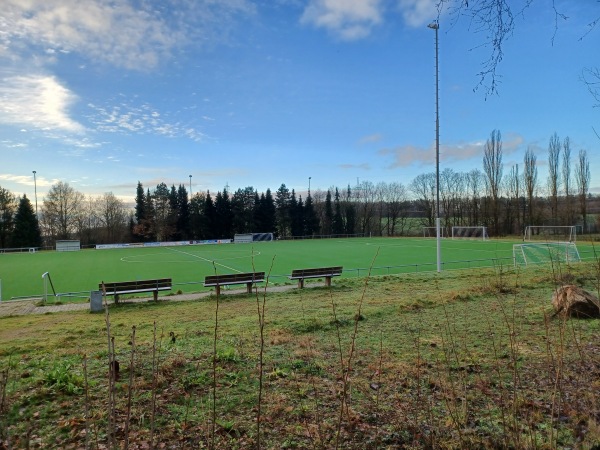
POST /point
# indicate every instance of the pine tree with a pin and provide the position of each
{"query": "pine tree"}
(148, 224)
(197, 216)
(183, 213)
(350, 213)
(269, 213)
(338, 222)
(282, 203)
(258, 219)
(209, 226)
(243, 204)
(296, 208)
(311, 221)
(328, 220)
(163, 215)
(26, 231)
(224, 217)
(140, 209)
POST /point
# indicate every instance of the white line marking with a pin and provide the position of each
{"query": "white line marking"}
(204, 259)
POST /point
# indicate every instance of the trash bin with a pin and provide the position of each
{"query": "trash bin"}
(96, 301)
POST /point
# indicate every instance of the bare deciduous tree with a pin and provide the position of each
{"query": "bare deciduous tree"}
(423, 187)
(492, 167)
(8, 206)
(513, 189)
(582, 176)
(566, 181)
(113, 217)
(474, 187)
(366, 207)
(398, 208)
(61, 210)
(554, 147)
(530, 180)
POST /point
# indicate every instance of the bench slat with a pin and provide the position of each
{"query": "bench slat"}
(316, 272)
(135, 287)
(163, 283)
(319, 272)
(234, 278)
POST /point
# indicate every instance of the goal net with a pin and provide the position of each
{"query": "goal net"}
(431, 232)
(561, 233)
(545, 252)
(469, 233)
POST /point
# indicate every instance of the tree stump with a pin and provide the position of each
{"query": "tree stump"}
(572, 301)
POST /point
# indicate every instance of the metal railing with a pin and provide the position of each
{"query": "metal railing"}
(585, 255)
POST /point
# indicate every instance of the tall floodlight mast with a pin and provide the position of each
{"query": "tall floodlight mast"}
(436, 26)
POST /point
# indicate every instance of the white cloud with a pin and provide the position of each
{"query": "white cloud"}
(27, 180)
(417, 13)
(134, 35)
(346, 19)
(38, 101)
(408, 155)
(144, 119)
(101, 30)
(373, 138)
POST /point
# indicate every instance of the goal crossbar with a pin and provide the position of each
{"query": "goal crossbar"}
(561, 233)
(431, 232)
(471, 232)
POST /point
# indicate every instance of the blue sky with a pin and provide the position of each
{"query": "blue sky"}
(102, 94)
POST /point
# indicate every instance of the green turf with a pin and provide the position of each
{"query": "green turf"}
(21, 273)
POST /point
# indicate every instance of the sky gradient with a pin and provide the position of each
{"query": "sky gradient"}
(103, 94)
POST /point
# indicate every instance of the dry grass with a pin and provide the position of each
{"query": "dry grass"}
(462, 359)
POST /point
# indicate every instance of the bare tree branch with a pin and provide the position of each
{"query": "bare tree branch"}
(591, 78)
(496, 20)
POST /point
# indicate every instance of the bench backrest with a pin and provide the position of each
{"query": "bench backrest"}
(234, 278)
(138, 285)
(317, 272)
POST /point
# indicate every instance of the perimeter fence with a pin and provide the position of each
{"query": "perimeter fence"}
(280, 279)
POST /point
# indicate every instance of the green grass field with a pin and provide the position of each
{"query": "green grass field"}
(80, 272)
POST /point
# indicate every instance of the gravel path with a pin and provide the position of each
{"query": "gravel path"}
(29, 306)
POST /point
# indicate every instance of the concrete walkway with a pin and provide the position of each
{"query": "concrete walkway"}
(30, 306)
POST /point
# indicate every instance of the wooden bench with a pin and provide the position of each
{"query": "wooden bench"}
(320, 272)
(135, 287)
(248, 279)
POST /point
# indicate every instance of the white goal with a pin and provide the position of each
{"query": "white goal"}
(470, 233)
(561, 233)
(431, 232)
(545, 252)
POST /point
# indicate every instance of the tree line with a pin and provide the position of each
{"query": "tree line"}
(503, 202)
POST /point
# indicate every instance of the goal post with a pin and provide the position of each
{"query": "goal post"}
(478, 232)
(431, 232)
(559, 233)
(545, 252)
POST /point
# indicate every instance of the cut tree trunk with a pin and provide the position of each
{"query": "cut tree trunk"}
(573, 301)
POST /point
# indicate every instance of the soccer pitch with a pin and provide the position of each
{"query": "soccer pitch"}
(81, 271)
